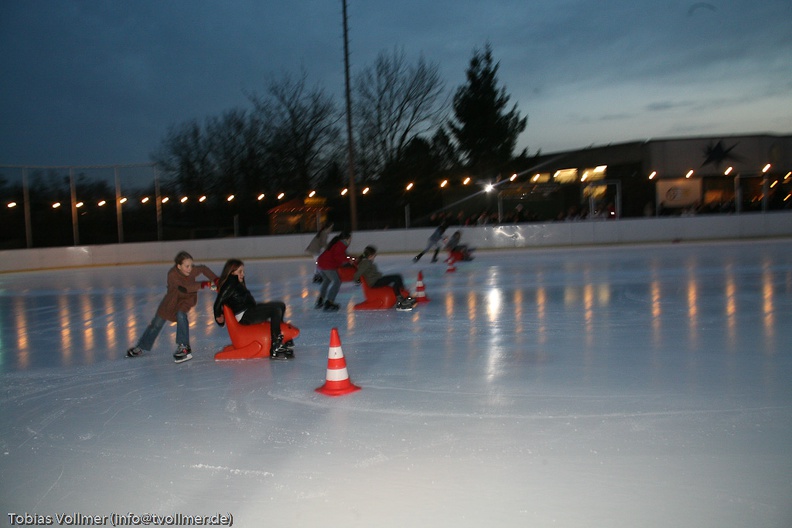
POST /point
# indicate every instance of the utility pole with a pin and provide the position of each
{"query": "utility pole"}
(350, 142)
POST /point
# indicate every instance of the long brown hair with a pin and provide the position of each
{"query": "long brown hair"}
(230, 267)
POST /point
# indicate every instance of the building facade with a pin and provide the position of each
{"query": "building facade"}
(699, 175)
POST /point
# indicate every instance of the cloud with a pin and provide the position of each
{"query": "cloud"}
(100, 82)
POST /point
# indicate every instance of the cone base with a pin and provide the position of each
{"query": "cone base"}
(340, 391)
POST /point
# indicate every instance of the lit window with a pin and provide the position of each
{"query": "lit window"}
(566, 175)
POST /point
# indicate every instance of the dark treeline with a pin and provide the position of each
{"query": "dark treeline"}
(290, 139)
(407, 128)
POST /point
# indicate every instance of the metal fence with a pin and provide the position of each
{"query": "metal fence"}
(51, 206)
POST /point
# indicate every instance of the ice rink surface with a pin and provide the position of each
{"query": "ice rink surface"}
(620, 386)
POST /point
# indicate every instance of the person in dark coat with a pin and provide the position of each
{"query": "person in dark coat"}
(234, 293)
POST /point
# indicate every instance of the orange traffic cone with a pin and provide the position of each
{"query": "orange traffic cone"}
(420, 291)
(451, 261)
(337, 380)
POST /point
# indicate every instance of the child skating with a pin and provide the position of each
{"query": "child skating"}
(180, 297)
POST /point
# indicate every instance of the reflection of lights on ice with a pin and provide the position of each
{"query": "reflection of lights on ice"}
(494, 302)
(490, 374)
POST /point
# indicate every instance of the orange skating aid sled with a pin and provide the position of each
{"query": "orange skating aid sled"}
(250, 341)
(381, 298)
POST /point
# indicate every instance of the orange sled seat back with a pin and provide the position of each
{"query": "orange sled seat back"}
(251, 341)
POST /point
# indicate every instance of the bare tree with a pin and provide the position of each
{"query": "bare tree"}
(302, 131)
(184, 158)
(396, 102)
(236, 147)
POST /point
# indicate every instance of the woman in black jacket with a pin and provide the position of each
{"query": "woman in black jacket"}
(233, 293)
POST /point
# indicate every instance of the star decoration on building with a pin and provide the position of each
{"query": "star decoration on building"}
(715, 154)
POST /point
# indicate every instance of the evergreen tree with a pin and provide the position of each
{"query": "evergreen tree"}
(484, 130)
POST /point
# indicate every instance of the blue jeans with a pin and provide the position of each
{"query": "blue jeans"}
(331, 280)
(155, 326)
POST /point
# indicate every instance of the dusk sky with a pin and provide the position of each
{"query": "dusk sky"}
(100, 82)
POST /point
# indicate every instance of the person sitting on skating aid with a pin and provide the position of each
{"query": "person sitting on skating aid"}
(234, 293)
(374, 278)
(179, 299)
(453, 245)
(434, 241)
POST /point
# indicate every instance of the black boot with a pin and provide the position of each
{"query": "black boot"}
(319, 303)
(278, 350)
(417, 257)
(434, 258)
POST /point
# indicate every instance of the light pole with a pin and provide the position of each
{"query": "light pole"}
(350, 144)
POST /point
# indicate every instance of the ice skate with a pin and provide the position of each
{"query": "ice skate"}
(330, 306)
(319, 303)
(278, 350)
(406, 301)
(183, 353)
(134, 352)
(403, 306)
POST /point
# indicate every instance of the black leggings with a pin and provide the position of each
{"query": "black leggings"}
(394, 281)
(270, 311)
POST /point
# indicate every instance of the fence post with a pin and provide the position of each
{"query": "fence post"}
(75, 226)
(26, 199)
(119, 214)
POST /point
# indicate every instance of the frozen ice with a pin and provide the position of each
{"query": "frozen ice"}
(643, 385)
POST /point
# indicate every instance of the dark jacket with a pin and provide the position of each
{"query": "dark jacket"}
(368, 270)
(235, 295)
